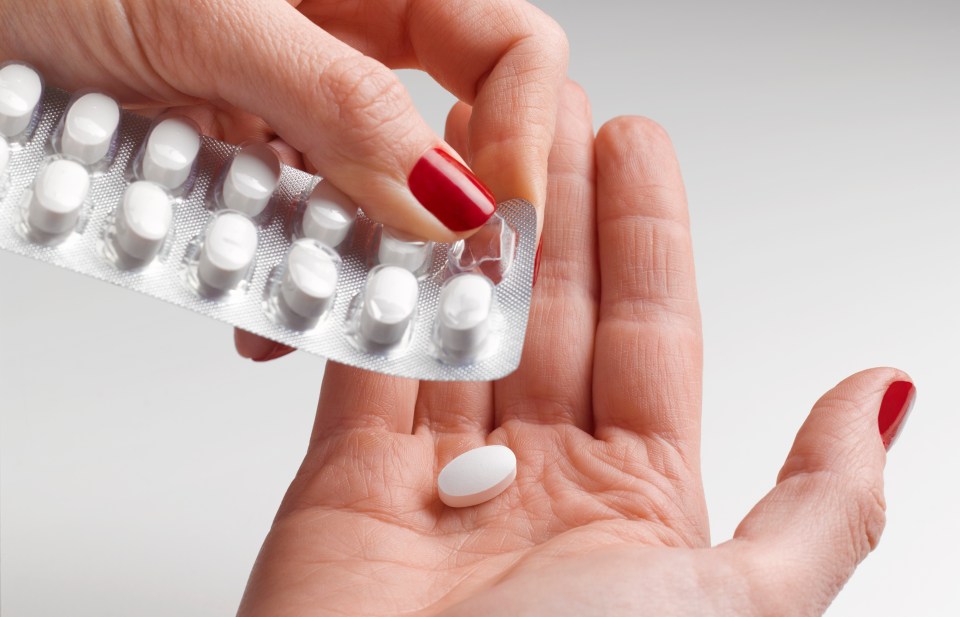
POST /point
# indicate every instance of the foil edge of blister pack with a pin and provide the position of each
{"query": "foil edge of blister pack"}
(164, 278)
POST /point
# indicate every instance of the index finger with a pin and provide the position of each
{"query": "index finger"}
(508, 60)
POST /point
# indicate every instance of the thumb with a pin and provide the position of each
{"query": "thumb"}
(826, 512)
(347, 113)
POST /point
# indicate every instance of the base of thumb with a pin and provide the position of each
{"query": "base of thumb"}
(827, 511)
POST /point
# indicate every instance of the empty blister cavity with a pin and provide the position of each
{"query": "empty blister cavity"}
(328, 214)
(389, 303)
(124, 220)
(490, 251)
(89, 129)
(250, 179)
(227, 253)
(394, 248)
(56, 200)
(143, 222)
(464, 316)
(308, 285)
(20, 92)
(170, 152)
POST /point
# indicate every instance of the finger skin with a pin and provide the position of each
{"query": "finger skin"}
(505, 57)
(648, 378)
(457, 130)
(509, 61)
(553, 383)
(826, 512)
(348, 113)
(352, 398)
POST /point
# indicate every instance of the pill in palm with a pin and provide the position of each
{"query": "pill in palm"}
(170, 151)
(477, 476)
(252, 177)
(229, 246)
(90, 127)
(329, 214)
(20, 90)
(58, 194)
(143, 220)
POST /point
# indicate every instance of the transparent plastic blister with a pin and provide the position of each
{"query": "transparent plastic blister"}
(88, 130)
(4, 160)
(231, 233)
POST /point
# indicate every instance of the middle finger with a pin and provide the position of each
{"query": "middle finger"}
(553, 383)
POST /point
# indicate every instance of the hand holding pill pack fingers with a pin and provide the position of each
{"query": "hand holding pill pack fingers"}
(231, 233)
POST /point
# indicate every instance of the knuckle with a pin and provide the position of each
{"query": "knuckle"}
(768, 589)
(532, 25)
(624, 135)
(867, 520)
(576, 94)
(556, 38)
(365, 95)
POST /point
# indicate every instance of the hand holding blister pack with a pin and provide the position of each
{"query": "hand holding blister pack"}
(232, 233)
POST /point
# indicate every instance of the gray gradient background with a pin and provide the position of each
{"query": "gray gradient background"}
(142, 460)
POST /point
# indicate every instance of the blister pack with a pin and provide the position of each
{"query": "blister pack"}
(232, 233)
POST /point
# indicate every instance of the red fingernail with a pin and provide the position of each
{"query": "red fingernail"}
(536, 261)
(450, 191)
(896, 406)
(277, 351)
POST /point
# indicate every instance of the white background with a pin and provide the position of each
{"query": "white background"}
(141, 460)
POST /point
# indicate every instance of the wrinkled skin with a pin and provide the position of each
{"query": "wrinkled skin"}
(317, 74)
(607, 515)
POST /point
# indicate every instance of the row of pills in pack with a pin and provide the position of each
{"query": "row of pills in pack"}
(241, 205)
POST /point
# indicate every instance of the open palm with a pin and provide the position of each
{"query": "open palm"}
(607, 513)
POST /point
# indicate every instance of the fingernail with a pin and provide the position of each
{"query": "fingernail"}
(896, 406)
(536, 261)
(262, 350)
(450, 191)
(275, 352)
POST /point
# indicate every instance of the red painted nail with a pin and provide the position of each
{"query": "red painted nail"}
(896, 406)
(277, 351)
(450, 191)
(536, 261)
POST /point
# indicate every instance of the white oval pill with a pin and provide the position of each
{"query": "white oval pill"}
(477, 476)
(389, 300)
(143, 220)
(4, 155)
(251, 179)
(329, 214)
(170, 152)
(89, 128)
(58, 194)
(398, 249)
(20, 90)
(464, 314)
(229, 245)
(310, 280)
